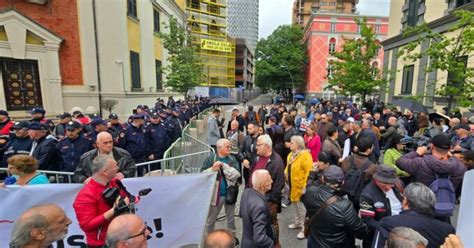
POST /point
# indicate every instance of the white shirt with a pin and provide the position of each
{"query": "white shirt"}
(395, 204)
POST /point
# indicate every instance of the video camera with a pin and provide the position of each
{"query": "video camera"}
(411, 143)
(110, 195)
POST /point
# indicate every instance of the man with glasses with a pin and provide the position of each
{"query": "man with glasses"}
(127, 231)
(227, 169)
(72, 146)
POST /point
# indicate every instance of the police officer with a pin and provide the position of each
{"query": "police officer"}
(60, 129)
(37, 115)
(156, 139)
(133, 139)
(174, 124)
(97, 125)
(71, 147)
(19, 143)
(115, 126)
(43, 148)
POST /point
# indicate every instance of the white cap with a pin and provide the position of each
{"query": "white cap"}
(350, 119)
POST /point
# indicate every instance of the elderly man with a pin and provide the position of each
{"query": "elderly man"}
(418, 204)
(272, 162)
(127, 231)
(390, 132)
(213, 132)
(43, 148)
(405, 237)
(368, 132)
(40, 226)
(463, 141)
(256, 218)
(105, 146)
(221, 238)
(227, 169)
(93, 211)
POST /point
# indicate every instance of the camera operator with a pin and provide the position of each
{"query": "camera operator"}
(94, 212)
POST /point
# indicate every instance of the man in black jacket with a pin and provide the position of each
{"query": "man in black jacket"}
(380, 198)
(256, 219)
(43, 148)
(418, 206)
(105, 145)
(338, 222)
(272, 162)
(249, 151)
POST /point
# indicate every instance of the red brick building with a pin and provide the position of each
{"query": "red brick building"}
(324, 34)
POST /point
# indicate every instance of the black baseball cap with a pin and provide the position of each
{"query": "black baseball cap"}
(441, 141)
(38, 126)
(73, 125)
(113, 116)
(21, 125)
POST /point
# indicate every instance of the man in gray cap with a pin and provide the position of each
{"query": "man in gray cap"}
(333, 222)
(380, 198)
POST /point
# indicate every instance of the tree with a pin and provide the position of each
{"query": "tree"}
(281, 60)
(449, 54)
(184, 71)
(109, 104)
(352, 70)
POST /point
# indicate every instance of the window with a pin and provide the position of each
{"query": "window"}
(159, 75)
(412, 12)
(375, 68)
(407, 80)
(333, 27)
(332, 45)
(377, 28)
(460, 3)
(132, 8)
(156, 21)
(457, 79)
(330, 71)
(135, 67)
(195, 4)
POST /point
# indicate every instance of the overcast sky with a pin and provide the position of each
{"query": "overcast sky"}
(274, 13)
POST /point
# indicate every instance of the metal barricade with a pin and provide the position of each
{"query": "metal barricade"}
(54, 176)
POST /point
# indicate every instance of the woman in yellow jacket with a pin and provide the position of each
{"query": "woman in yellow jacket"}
(297, 170)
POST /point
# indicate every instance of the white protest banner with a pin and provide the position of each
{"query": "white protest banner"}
(175, 210)
(466, 214)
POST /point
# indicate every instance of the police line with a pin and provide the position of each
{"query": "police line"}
(175, 210)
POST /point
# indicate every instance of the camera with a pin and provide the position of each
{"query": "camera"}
(411, 144)
(110, 195)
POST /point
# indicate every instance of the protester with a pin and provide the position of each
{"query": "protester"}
(251, 116)
(127, 231)
(333, 221)
(272, 162)
(380, 198)
(452, 241)
(238, 117)
(249, 151)
(389, 133)
(220, 239)
(39, 226)
(317, 172)
(262, 113)
(313, 141)
(236, 139)
(213, 133)
(462, 141)
(227, 169)
(105, 146)
(404, 237)
(331, 146)
(93, 211)
(323, 127)
(393, 153)
(297, 171)
(23, 168)
(256, 218)
(369, 133)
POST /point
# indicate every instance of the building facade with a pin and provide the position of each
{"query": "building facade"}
(207, 20)
(304, 9)
(244, 64)
(325, 34)
(411, 78)
(242, 20)
(65, 54)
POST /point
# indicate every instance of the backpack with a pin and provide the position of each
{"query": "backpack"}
(354, 181)
(445, 195)
(251, 116)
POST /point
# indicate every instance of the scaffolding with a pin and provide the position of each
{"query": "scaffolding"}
(207, 20)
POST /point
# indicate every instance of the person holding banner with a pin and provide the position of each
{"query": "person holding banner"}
(227, 169)
(93, 210)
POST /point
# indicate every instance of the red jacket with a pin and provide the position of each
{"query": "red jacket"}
(90, 207)
(6, 129)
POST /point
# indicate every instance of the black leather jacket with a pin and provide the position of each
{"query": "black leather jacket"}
(337, 224)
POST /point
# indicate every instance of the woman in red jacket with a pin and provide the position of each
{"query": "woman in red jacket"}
(313, 142)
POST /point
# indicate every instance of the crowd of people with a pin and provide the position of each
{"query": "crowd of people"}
(70, 144)
(347, 172)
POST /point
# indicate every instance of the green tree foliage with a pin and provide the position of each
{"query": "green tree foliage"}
(281, 50)
(353, 73)
(447, 53)
(184, 71)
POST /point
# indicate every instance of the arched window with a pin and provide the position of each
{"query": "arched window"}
(332, 45)
(375, 68)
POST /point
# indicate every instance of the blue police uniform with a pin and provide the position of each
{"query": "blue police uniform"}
(133, 140)
(174, 127)
(71, 150)
(16, 146)
(157, 141)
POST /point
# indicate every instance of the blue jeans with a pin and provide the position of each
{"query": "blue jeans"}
(311, 243)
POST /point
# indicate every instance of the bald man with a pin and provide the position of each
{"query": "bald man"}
(105, 146)
(256, 218)
(127, 231)
(39, 226)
